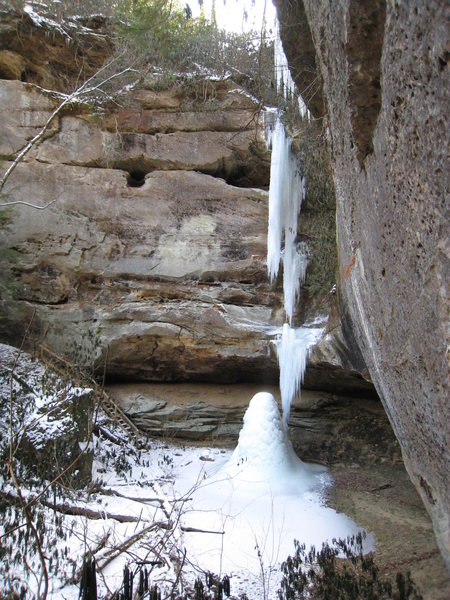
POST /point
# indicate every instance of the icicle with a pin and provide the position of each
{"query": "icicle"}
(278, 165)
(293, 348)
(285, 83)
(286, 193)
(295, 262)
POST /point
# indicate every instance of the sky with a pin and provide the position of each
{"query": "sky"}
(230, 13)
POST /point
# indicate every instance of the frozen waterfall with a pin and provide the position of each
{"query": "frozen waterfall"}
(293, 346)
(286, 192)
(244, 510)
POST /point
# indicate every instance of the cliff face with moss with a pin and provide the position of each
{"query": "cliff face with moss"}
(380, 75)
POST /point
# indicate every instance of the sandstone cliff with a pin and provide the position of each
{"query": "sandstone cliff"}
(145, 248)
(384, 74)
(152, 247)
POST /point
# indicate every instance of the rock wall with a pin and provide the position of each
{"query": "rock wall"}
(55, 56)
(152, 247)
(384, 72)
(145, 248)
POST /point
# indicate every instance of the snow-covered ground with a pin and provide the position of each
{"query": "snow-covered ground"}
(178, 511)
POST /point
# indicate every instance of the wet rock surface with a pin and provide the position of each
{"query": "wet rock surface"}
(389, 167)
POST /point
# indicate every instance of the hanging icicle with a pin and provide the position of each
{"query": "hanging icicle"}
(284, 82)
(293, 347)
(286, 193)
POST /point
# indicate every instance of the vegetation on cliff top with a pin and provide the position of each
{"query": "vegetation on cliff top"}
(149, 34)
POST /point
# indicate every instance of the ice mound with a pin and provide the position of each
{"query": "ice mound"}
(245, 511)
(264, 453)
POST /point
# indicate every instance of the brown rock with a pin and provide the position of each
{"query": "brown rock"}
(52, 56)
(146, 269)
(12, 64)
(28, 109)
(389, 162)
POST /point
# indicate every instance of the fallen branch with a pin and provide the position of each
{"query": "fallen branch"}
(12, 474)
(379, 488)
(109, 492)
(111, 554)
(25, 203)
(82, 511)
(20, 381)
(195, 530)
(68, 509)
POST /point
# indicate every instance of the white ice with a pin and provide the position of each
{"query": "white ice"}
(286, 193)
(293, 348)
(255, 503)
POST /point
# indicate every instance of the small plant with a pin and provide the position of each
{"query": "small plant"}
(324, 575)
(318, 218)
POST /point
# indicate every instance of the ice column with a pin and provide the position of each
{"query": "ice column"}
(286, 192)
(293, 348)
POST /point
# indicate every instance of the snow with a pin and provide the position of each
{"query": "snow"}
(239, 16)
(256, 502)
(41, 21)
(227, 512)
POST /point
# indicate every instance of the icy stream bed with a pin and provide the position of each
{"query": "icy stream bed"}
(255, 501)
(208, 509)
(179, 511)
(232, 513)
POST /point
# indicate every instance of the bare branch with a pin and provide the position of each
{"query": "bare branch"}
(13, 477)
(83, 91)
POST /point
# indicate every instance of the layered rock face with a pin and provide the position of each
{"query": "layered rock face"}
(384, 70)
(56, 57)
(150, 253)
(145, 248)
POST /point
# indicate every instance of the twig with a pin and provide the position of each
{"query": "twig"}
(195, 530)
(109, 492)
(25, 203)
(84, 89)
(111, 554)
